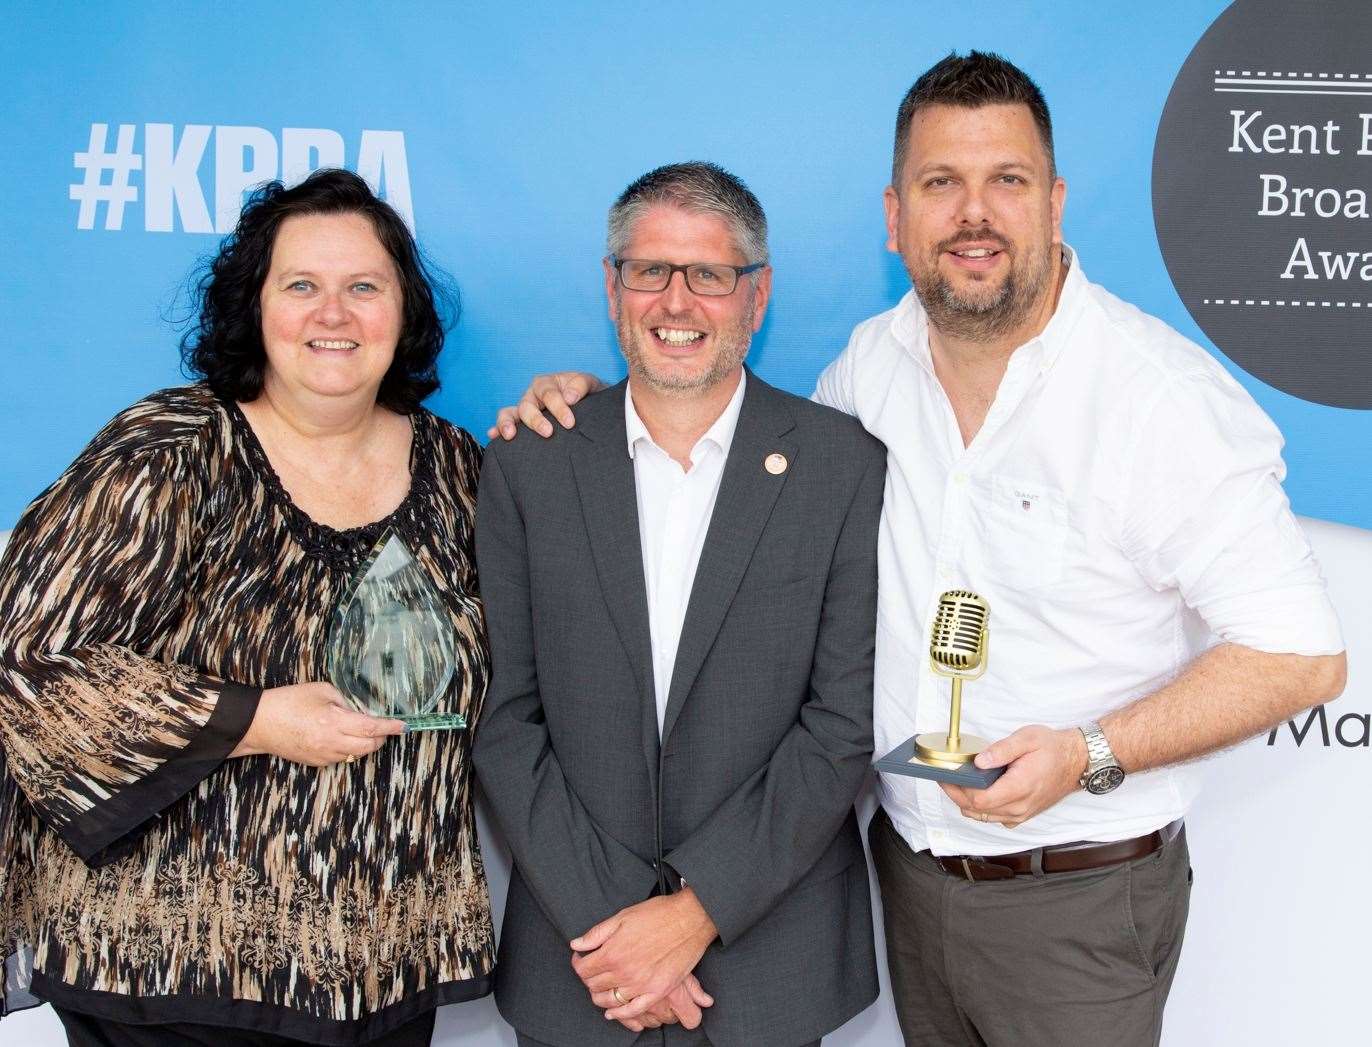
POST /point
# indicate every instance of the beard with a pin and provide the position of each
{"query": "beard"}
(730, 343)
(982, 312)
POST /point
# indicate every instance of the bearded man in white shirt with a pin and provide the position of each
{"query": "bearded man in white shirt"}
(1116, 498)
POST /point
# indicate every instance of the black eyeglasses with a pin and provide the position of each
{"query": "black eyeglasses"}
(704, 278)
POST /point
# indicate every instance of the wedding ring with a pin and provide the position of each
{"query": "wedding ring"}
(618, 998)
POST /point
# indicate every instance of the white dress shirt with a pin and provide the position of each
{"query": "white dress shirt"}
(674, 510)
(1121, 503)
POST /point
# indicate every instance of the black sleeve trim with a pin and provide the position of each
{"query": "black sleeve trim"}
(111, 830)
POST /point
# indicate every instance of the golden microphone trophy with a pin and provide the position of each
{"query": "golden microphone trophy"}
(957, 649)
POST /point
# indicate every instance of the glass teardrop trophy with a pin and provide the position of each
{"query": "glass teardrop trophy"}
(392, 649)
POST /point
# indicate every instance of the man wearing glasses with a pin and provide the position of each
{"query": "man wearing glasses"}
(681, 597)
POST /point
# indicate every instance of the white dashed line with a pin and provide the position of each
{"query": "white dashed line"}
(1306, 76)
(1284, 303)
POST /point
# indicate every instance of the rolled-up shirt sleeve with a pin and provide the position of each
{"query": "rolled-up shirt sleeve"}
(1203, 511)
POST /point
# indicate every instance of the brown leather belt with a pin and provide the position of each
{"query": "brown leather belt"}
(1070, 857)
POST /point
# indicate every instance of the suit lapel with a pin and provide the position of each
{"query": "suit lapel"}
(609, 505)
(747, 492)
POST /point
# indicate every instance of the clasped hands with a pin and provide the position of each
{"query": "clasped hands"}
(1042, 765)
(637, 964)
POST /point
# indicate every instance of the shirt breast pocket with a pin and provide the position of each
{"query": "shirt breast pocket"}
(1023, 533)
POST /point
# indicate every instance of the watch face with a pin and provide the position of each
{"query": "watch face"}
(1104, 780)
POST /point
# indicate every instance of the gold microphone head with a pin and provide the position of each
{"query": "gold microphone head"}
(957, 643)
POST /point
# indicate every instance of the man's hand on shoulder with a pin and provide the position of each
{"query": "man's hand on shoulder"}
(554, 393)
(647, 952)
(1041, 767)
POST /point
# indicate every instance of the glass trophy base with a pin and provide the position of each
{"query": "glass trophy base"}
(433, 722)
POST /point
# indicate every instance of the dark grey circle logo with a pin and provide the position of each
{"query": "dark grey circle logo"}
(1261, 175)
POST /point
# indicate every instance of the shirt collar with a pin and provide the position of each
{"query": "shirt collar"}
(1054, 336)
(720, 433)
(910, 324)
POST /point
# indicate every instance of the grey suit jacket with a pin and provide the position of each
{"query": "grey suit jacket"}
(768, 728)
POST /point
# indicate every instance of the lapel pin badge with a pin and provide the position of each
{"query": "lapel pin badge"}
(775, 464)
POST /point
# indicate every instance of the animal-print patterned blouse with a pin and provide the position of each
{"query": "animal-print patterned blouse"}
(146, 598)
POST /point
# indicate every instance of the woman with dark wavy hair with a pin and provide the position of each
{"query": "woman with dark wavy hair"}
(200, 840)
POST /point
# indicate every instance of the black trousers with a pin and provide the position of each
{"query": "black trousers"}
(84, 1030)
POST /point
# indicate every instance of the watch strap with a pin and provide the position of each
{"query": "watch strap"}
(1098, 751)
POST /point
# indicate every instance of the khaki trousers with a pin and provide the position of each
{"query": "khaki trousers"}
(1072, 959)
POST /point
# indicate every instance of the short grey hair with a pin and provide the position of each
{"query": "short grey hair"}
(698, 188)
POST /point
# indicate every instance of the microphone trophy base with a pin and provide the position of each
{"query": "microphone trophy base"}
(929, 756)
(934, 749)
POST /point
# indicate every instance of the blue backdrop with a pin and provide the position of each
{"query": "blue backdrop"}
(512, 128)
(506, 130)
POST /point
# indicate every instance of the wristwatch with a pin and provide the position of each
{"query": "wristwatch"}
(1103, 772)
